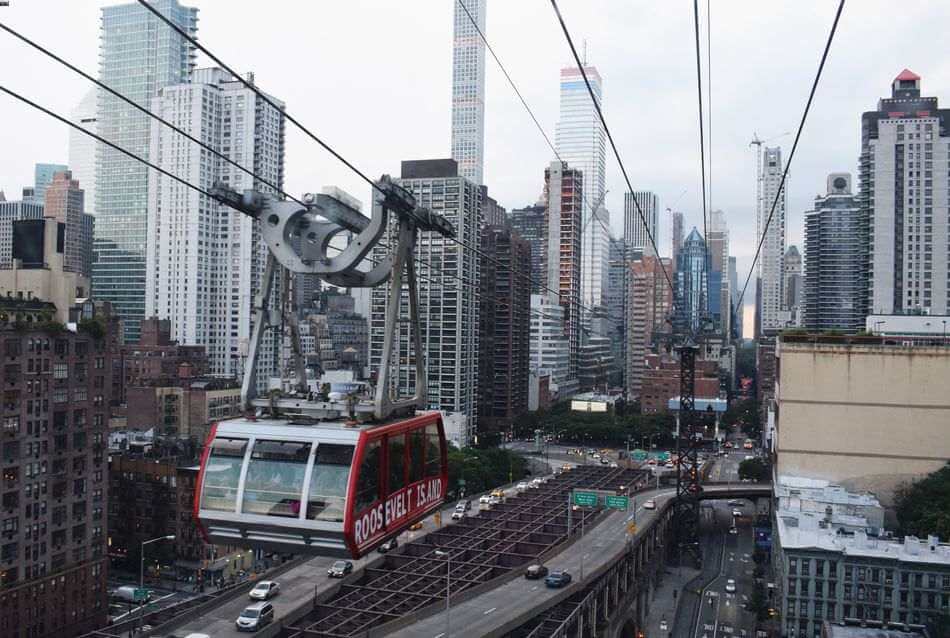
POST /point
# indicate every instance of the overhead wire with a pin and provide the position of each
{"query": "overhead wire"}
(603, 121)
(801, 126)
(704, 281)
(326, 146)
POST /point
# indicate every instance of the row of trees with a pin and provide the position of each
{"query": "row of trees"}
(924, 507)
(475, 470)
(599, 428)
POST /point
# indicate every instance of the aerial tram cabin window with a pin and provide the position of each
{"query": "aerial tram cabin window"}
(223, 473)
(367, 487)
(275, 475)
(397, 462)
(326, 500)
(417, 449)
(433, 451)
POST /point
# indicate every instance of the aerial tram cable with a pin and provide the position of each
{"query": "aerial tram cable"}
(798, 134)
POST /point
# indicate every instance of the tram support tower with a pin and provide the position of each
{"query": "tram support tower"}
(688, 442)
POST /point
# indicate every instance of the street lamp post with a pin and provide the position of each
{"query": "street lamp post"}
(170, 537)
(448, 590)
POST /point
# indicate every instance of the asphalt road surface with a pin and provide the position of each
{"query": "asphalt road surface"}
(492, 609)
(721, 612)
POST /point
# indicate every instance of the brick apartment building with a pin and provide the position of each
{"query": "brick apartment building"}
(661, 382)
(56, 387)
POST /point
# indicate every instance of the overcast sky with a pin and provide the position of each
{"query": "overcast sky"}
(373, 77)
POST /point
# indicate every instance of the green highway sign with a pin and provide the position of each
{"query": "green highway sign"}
(140, 595)
(618, 502)
(585, 499)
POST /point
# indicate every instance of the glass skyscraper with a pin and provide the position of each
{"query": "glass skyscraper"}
(581, 142)
(691, 279)
(139, 55)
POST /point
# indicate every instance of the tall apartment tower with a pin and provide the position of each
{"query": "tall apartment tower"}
(82, 149)
(14, 211)
(204, 261)
(138, 55)
(769, 311)
(676, 235)
(563, 193)
(650, 301)
(530, 223)
(834, 289)
(508, 360)
(450, 309)
(581, 142)
(720, 299)
(904, 198)
(635, 233)
(468, 90)
(792, 284)
(64, 202)
(550, 349)
(618, 285)
(54, 468)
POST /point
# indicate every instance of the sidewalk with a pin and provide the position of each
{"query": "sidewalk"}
(663, 604)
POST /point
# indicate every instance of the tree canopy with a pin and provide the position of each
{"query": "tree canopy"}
(483, 469)
(755, 469)
(922, 507)
(597, 428)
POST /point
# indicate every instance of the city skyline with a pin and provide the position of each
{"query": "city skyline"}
(851, 84)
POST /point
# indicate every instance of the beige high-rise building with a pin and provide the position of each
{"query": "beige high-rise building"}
(65, 202)
(649, 303)
(865, 415)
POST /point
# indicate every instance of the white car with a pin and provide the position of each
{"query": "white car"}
(535, 484)
(484, 500)
(736, 513)
(733, 530)
(458, 515)
(664, 626)
(614, 465)
(650, 504)
(596, 456)
(522, 486)
(730, 586)
(265, 590)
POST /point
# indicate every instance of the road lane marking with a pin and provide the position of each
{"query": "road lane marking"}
(488, 611)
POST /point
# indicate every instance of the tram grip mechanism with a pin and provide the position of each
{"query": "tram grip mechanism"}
(298, 238)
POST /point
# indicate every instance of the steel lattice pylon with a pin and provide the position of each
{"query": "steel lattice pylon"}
(688, 487)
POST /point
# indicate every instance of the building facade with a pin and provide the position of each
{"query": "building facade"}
(468, 90)
(676, 234)
(450, 309)
(138, 55)
(581, 141)
(905, 145)
(868, 413)
(834, 288)
(692, 275)
(550, 346)
(636, 233)
(835, 564)
(792, 285)
(43, 176)
(650, 302)
(64, 202)
(156, 356)
(14, 211)
(54, 474)
(769, 311)
(563, 193)
(618, 292)
(661, 382)
(720, 287)
(511, 345)
(82, 148)
(530, 223)
(205, 261)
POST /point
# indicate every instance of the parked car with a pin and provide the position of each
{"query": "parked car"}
(557, 579)
(265, 590)
(388, 546)
(535, 572)
(650, 504)
(255, 617)
(126, 593)
(340, 568)
(730, 586)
